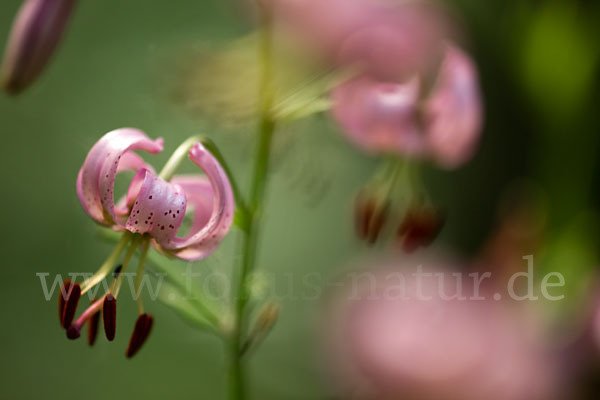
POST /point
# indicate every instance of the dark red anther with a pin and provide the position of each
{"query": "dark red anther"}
(73, 332)
(419, 228)
(363, 212)
(64, 290)
(143, 325)
(70, 306)
(370, 217)
(109, 314)
(93, 328)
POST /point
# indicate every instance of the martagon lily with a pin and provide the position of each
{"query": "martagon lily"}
(151, 213)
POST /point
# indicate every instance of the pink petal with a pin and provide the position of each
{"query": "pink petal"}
(158, 209)
(95, 182)
(454, 111)
(401, 42)
(380, 117)
(213, 219)
(35, 34)
(200, 196)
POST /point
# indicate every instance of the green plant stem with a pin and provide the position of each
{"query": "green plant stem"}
(237, 386)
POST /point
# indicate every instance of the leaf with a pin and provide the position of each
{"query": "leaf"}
(224, 83)
(173, 298)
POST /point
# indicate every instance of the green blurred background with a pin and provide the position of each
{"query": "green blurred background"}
(116, 67)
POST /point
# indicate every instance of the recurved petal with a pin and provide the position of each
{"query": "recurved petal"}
(36, 32)
(213, 208)
(380, 117)
(454, 110)
(200, 198)
(96, 179)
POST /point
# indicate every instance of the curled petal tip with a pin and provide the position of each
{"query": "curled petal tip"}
(212, 200)
(454, 111)
(109, 156)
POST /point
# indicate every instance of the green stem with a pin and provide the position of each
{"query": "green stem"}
(254, 215)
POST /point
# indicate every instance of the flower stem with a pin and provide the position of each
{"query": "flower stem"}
(254, 216)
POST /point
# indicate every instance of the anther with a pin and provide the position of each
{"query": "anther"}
(419, 228)
(109, 315)
(70, 306)
(64, 290)
(370, 216)
(143, 325)
(93, 328)
(73, 332)
(117, 271)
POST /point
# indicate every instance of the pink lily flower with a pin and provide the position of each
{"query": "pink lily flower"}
(397, 118)
(151, 212)
(152, 205)
(35, 34)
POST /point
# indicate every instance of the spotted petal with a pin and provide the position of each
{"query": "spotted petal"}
(213, 208)
(110, 155)
(158, 209)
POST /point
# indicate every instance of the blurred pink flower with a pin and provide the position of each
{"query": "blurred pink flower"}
(153, 205)
(420, 345)
(387, 39)
(36, 32)
(386, 117)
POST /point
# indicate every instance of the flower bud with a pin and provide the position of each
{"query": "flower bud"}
(35, 34)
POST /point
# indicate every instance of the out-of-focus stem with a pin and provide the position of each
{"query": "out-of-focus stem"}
(237, 383)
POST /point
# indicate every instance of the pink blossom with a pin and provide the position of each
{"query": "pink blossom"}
(415, 343)
(385, 38)
(35, 34)
(388, 117)
(152, 205)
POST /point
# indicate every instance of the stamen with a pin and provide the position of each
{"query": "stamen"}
(64, 290)
(93, 328)
(140, 274)
(117, 271)
(143, 325)
(109, 315)
(108, 265)
(74, 331)
(116, 286)
(70, 306)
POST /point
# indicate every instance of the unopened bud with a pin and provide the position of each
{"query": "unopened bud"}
(36, 32)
